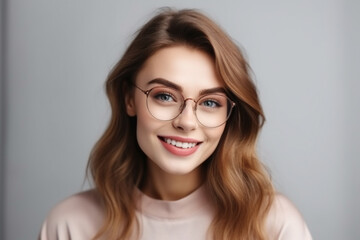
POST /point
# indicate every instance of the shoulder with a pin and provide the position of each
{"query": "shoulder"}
(284, 221)
(81, 206)
(77, 217)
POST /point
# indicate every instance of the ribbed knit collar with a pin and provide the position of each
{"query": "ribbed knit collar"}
(196, 202)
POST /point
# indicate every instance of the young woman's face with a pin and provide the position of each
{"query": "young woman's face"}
(178, 146)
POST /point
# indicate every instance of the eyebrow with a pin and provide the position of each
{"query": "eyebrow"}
(179, 88)
(166, 83)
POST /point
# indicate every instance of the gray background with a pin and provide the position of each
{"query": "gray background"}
(55, 58)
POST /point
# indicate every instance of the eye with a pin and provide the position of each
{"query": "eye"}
(210, 103)
(165, 97)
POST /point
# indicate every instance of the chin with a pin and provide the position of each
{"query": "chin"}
(179, 169)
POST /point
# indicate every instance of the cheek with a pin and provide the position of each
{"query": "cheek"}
(145, 129)
(216, 133)
(144, 123)
(143, 134)
(142, 114)
(213, 137)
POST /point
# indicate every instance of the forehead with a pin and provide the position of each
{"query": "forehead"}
(193, 70)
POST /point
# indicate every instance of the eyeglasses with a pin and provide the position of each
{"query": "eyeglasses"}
(211, 110)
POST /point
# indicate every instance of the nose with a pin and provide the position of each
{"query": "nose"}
(187, 120)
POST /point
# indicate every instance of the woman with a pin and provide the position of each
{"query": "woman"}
(178, 159)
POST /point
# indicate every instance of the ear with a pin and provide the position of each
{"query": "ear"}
(130, 104)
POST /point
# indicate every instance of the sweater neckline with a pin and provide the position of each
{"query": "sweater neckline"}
(196, 202)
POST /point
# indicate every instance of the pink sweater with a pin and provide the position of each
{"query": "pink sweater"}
(80, 216)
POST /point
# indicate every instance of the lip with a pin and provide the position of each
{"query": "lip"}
(179, 151)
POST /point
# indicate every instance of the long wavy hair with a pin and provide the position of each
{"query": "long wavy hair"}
(237, 182)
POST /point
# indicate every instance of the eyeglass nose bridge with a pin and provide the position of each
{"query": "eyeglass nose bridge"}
(184, 105)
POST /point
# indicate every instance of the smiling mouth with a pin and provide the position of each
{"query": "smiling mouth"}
(179, 144)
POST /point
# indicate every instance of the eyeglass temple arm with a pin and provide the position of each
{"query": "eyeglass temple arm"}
(145, 92)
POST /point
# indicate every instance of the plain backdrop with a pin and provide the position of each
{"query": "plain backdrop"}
(305, 56)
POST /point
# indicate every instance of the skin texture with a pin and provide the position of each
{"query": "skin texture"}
(174, 173)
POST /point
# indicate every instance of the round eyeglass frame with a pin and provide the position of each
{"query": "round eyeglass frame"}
(147, 92)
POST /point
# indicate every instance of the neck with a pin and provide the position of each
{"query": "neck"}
(161, 185)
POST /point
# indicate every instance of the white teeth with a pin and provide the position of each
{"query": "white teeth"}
(179, 144)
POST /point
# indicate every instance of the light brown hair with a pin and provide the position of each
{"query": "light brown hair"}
(239, 186)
